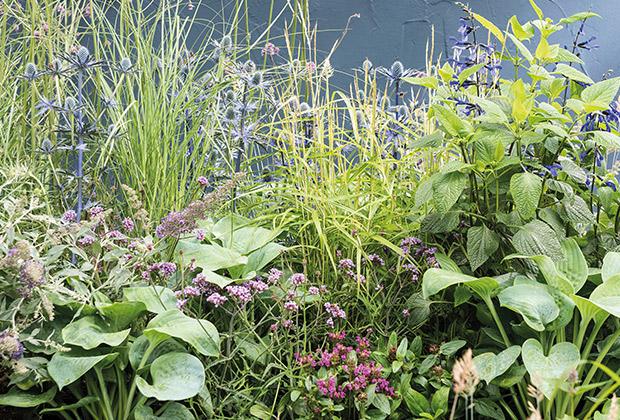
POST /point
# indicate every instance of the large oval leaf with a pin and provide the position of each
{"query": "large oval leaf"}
(91, 331)
(607, 296)
(526, 189)
(489, 366)
(533, 303)
(157, 299)
(173, 411)
(175, 376)
(537, 238)
(18, 398)
(611, 265)
(573, 264)
(66, 369)
(437, 279)
(139, 346)
(200, 334)
(548, 372)
(121, 314)
(210, 257)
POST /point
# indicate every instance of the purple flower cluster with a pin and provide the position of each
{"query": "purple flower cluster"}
(10, 346)
(164, 269)
(347, 267)
(240, 293)
(274, 276)
(376, 260)
(86, 240)
(128, 224)
(216, 299)
(31, 275)
(348, 376)
(298, 279)
(69, 216)
(421, 253)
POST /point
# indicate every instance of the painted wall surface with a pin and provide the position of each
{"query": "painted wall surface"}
(399, 29)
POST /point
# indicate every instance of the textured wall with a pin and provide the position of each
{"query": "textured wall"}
(399, 29)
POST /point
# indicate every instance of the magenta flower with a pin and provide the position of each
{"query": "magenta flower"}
(216, 299)
(128, 224)
(297, 279)
(202, 181)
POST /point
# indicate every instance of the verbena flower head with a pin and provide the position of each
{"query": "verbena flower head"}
(298, 279)
(216, 299)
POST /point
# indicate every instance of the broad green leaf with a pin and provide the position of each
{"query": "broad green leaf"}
(577, 17)
(18, 398)
(173, 411)
(481, 244)
(436, 279)
(439, 401)
(548, 372)
(427, 81)
(492, 112)
(440, 223)
(589, 310)
(526, 189)
(450, 348)
(416, 402)
(598, 96)
(607, 296)
(572, 73)
(200, 334)
(217, 279)
(121, 314)
(259, 259)
(573, 264)
(447, 189)
(65, 369)
(546, 52)
(522, 104)
(211, 257)
(451, 122)
(469, 72)
(521, 32)
(92, 331)
(534, 304)
(525, 52)
(537, 238)
(576, 210)
(140, 345)
(608, 140)
(382, 402)
(156, 299)
(424, 192)
(435, 139)
(175, 377)
(491, 27)
(489, 365)
(611, 265)
(251, 238)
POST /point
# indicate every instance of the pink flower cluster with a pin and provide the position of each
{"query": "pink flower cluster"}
(347, 375)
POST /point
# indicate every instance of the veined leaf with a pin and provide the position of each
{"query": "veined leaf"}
(599, 95)
(481, 244)
(448, 188)
(572, 73)
(491, 27)
(526, 189)
(534, 304)
(436, 279)
(548, 372)
(489, 366)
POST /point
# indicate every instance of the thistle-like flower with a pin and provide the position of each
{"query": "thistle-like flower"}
(31, 73)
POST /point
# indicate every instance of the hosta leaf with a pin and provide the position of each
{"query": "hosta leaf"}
(156, 299)
(534, 304)
(65, 369)
(548, 372)
(526, 189)
(489, 366)
(121, 314)
(18, 398)
(259, 259)
(173, 411)
(91, 331)
(589, 310)
(573, 264)
(139, 346)
(537, 238)
(211, 257)
(611, 265)
(447, 188)
(200, 334)
(436, 279)
(175, 377)
(607, 296)
(481, 244)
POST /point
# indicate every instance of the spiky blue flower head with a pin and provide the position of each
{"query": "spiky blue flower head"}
(125, 66)
(30, 72)
(249, 67)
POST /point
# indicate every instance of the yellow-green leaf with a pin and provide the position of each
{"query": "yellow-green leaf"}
(491, 27)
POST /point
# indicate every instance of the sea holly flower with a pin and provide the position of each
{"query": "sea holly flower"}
(10, 345)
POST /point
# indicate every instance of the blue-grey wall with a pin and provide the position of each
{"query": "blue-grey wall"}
(399, 29)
